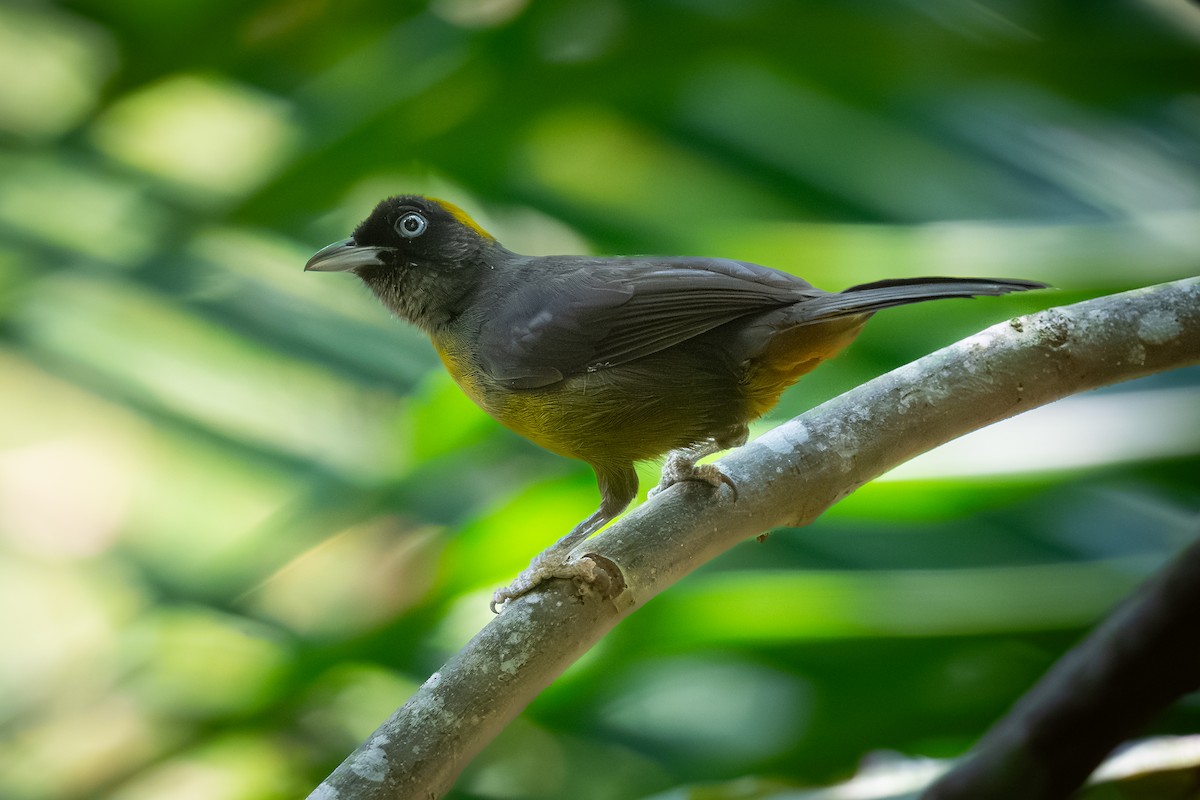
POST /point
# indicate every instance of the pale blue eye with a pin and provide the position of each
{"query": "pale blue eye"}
(411, 225)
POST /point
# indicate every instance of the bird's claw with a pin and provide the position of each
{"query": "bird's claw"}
(546, 566)
(678, 469)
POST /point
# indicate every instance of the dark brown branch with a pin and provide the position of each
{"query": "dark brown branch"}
(1129, 670)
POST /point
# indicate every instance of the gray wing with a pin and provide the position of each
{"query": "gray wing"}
(602, 313)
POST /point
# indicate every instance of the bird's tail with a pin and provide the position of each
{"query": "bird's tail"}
(867, 298)
(805, 334)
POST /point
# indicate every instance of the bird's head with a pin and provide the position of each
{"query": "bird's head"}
(419, 255)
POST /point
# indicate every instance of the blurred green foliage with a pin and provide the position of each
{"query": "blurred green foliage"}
(243, 512)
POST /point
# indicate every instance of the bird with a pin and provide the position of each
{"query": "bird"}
(611, 360)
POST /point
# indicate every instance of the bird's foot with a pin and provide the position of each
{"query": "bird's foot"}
(681, 466)
(550, 564)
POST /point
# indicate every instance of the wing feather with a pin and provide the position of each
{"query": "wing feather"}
(599, 314)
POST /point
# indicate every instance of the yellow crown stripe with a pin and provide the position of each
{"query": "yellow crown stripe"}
(462, 217)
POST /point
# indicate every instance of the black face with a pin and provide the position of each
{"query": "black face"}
(411, 229)
(421, 257)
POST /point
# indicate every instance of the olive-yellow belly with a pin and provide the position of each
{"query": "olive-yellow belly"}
(670, 399)
(623, 414)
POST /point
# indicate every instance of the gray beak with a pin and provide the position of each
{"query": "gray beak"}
(342, 256)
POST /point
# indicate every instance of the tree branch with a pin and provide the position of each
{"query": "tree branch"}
(788, 476)
(1127, 671)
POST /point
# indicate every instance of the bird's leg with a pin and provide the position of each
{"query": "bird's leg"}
(681, 464)
(554, 562)
(618, 487)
